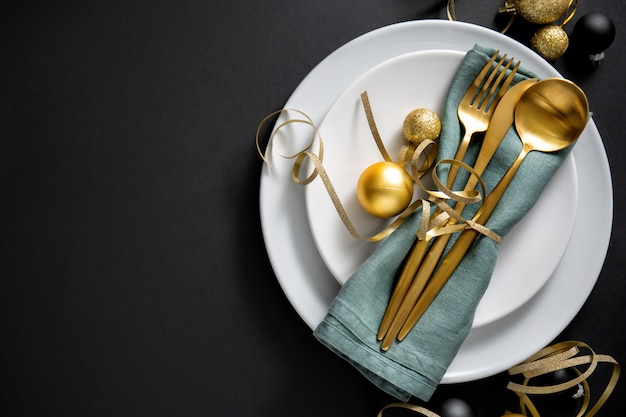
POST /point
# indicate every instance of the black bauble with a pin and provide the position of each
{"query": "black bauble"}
(560, 404)
(455, 407)
(593, 34)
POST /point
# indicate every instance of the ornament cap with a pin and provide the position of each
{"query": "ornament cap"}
(508, 7)
(596, 59)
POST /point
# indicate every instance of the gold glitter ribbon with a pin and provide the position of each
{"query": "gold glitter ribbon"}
(316, 159)
(406, 406)
(411, 154)
(570, 12)
(442, 224)
(298, 155)
(437, 226)
(560, 356)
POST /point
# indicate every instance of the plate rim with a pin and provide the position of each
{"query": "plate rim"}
(324, 290)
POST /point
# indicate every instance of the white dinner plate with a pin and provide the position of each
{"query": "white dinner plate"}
(395, 87)
(307, 282)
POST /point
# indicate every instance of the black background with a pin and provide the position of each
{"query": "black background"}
(134, 277)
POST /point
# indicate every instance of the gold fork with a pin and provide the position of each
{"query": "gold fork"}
(474, 111)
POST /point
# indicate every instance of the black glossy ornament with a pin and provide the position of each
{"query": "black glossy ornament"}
(560, 404)
(455, 407)
(593, 34)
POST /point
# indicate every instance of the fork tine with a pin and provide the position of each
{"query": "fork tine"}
(484, 71)
(497, 90)
(507, 82)
(489, 86)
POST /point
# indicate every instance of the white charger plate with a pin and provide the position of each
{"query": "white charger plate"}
(395, 87)
(307, 282)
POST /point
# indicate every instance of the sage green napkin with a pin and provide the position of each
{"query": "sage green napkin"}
(415, 366)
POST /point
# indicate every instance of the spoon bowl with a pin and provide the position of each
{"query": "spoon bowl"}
(551, 115)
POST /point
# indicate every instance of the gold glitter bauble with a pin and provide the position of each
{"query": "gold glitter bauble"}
(384, 189)
(421, 124)
(550, 42)
(541, 12)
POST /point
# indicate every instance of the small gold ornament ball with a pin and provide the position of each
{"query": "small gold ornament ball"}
(550, 42)
(421, 124)
(541, 12)
(384, 189)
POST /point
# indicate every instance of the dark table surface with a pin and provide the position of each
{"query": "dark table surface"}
(134, 276)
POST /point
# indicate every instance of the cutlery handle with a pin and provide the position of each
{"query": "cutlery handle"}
(459, 249)
(411, 264)
(414, 291)
(439, 279)
(459, 155)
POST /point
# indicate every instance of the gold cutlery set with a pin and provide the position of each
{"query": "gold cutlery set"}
(548, 115)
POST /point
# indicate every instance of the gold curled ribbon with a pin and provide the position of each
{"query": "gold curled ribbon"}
(317, 163)
(437, 226)
(299, 155)
(564, 355)
(430, 227)
(303, 154)
(409, 154)
(373, 128)
(450, 9)
(411, 407)
(570, 12)
(454, 222)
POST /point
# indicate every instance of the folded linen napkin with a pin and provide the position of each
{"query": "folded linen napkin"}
(415, 366)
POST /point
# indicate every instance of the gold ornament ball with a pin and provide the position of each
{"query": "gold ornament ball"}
(550, 42)
(541, 12)
(384, 189)
(421, 124)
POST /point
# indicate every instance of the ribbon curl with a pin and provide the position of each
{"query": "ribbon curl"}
(439, 225)
(406, 406)
(299, 155)
(560, 356)
(564, 355)
(409, 154)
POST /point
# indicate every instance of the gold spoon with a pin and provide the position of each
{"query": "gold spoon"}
(549, 117)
